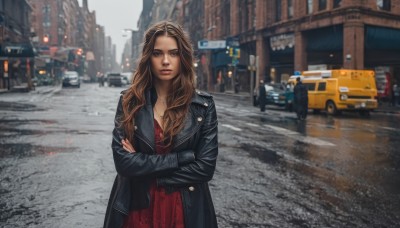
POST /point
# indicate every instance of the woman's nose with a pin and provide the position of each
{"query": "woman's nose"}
(165, 60)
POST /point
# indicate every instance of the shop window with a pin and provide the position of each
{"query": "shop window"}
(309, 6)
(337, 3)
(322, 5)
(278, 9)
(383, 4)
(290, 9)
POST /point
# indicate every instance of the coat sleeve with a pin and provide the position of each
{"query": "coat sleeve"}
(202, 169)
(139, 164)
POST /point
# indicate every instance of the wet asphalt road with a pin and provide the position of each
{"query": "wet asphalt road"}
(56, 167)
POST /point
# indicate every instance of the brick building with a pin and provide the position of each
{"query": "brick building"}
(292, 35)
(16, 52)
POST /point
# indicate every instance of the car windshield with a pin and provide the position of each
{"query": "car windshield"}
(274, 87)
(70, 73)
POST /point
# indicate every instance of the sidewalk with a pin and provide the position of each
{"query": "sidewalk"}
(382, 108)
(37, 90)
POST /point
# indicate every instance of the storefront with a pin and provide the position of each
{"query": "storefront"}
(16, 65)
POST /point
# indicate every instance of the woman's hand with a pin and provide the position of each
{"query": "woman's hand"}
(128, 146)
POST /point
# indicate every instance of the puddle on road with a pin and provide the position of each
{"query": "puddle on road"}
(22, 121)
(12, 106)
(264, 154)
(25, 149)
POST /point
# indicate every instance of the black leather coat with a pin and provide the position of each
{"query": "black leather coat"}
(176, 171)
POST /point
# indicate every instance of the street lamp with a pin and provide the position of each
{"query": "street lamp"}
(46, 38)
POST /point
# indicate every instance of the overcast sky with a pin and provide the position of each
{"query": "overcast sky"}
(115, 16)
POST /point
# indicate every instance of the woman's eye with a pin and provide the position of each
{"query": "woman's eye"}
(175, 53)
(156, 54)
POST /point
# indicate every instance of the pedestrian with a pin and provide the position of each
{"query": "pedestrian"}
(262, 93)
(165, 142)
(300, 92)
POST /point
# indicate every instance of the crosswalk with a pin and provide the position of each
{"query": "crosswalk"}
(241, 125)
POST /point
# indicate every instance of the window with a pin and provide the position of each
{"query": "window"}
(383, 4)
(278, 13)
(310, 86)
(46, 9)
(322, 5)
(337, 3)
(290, 9)
(322, 86)
(309, 6)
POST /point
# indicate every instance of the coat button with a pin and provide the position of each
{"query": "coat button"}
(191, 188)
(205, 104)
(135, 128)
(199, 119)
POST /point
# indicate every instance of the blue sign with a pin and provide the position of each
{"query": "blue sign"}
(211, 44)
(233, 42)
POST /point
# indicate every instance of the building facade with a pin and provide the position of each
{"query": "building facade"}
(288, 35)
(16, 51)
(67, 38)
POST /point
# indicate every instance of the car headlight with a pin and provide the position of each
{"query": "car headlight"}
(343, 97)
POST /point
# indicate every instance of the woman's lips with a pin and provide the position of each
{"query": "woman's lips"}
(166, 71)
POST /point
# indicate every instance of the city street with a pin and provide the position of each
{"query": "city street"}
(57, 170)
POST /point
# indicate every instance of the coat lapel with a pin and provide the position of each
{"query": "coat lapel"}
(144, 123)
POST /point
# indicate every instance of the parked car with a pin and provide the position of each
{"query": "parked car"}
(42, 80)
(86, 78)
(128, 76)
(116, 79)
(277, 94)
(71, 78)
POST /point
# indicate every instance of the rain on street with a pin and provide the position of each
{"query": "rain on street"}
(56, 166)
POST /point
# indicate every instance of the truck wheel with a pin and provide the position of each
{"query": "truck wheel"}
(331, 108)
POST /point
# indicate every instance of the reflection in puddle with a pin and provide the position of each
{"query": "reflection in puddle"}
(264, 154)
(25, 149)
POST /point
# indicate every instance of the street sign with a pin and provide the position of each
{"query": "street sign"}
(233, 42)
(211, 44)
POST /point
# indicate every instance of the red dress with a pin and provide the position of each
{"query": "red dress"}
(166, 210)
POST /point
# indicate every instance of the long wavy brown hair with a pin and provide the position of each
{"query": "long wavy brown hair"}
(182, 87)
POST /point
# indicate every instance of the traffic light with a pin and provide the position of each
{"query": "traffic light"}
(237, 54)
(230, 52)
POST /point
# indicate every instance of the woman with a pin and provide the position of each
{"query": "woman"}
(165, 142)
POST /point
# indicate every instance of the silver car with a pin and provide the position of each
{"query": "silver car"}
(71, 78)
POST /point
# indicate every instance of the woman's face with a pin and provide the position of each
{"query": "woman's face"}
(165, 59)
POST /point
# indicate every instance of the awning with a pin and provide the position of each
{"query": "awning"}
(381, 38)
(325, 39)
(16, 50)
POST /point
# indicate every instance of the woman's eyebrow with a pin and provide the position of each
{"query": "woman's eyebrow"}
(175, 49)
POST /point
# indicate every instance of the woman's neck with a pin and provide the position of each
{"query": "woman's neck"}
(162, 89)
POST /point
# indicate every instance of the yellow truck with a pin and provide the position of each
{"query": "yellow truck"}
(339, 90)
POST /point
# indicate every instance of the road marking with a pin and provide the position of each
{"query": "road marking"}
(296, 136)
(253, 125)
(282, 131)
(231, 127)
